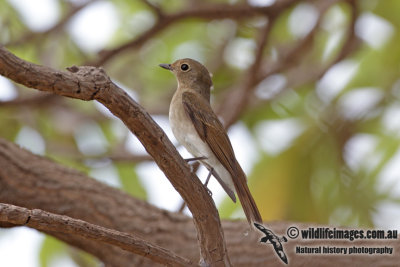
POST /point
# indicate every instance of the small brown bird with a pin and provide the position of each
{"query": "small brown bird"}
(198, 129)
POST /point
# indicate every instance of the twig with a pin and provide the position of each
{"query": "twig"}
(46, 221)
(350, 45)
(106, 55)
(207, 12)
(28, 37)
(239, 98)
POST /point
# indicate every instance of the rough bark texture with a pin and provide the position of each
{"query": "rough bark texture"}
(90, 83)
(46, 221)
(34, 182)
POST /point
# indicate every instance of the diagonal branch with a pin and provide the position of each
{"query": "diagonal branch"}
(46, 221)
(89, 83)
(239, 98)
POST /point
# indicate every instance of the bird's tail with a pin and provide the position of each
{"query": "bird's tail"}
(246, 199)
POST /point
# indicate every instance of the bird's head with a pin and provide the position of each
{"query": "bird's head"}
(191, 74)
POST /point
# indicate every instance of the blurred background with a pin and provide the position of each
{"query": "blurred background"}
(310, 93)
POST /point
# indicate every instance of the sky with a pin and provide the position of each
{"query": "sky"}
(273, 135)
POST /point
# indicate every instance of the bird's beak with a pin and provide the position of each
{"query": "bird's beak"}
(166, 66)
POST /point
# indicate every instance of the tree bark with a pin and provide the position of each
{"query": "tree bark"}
(35, 182)
(46, 221)
(90, 83)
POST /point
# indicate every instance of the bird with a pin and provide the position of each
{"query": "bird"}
(274, 240)
(196, 127)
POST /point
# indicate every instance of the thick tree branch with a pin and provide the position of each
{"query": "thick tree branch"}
(46, 221)
(89, 83)
(34, 182)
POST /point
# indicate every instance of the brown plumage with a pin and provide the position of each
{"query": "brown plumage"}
(196, 127)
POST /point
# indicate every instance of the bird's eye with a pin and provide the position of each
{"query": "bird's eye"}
(184, 67)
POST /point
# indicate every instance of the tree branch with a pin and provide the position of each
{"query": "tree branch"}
(28, 37)
(156, 9)
(297, 76)
(239, 98)
(207, 12)
(46, 221)
(350, 45)
(34, 182)
(89, 83)
(258, 71)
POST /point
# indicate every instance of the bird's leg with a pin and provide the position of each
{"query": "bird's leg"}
(209, 174)
(207, 180)
(208, 177)
(196, 165)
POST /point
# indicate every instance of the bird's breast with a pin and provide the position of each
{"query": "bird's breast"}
(182, 127)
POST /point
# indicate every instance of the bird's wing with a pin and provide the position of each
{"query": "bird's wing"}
(211, 131)
(260, 227)
(281, 254)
